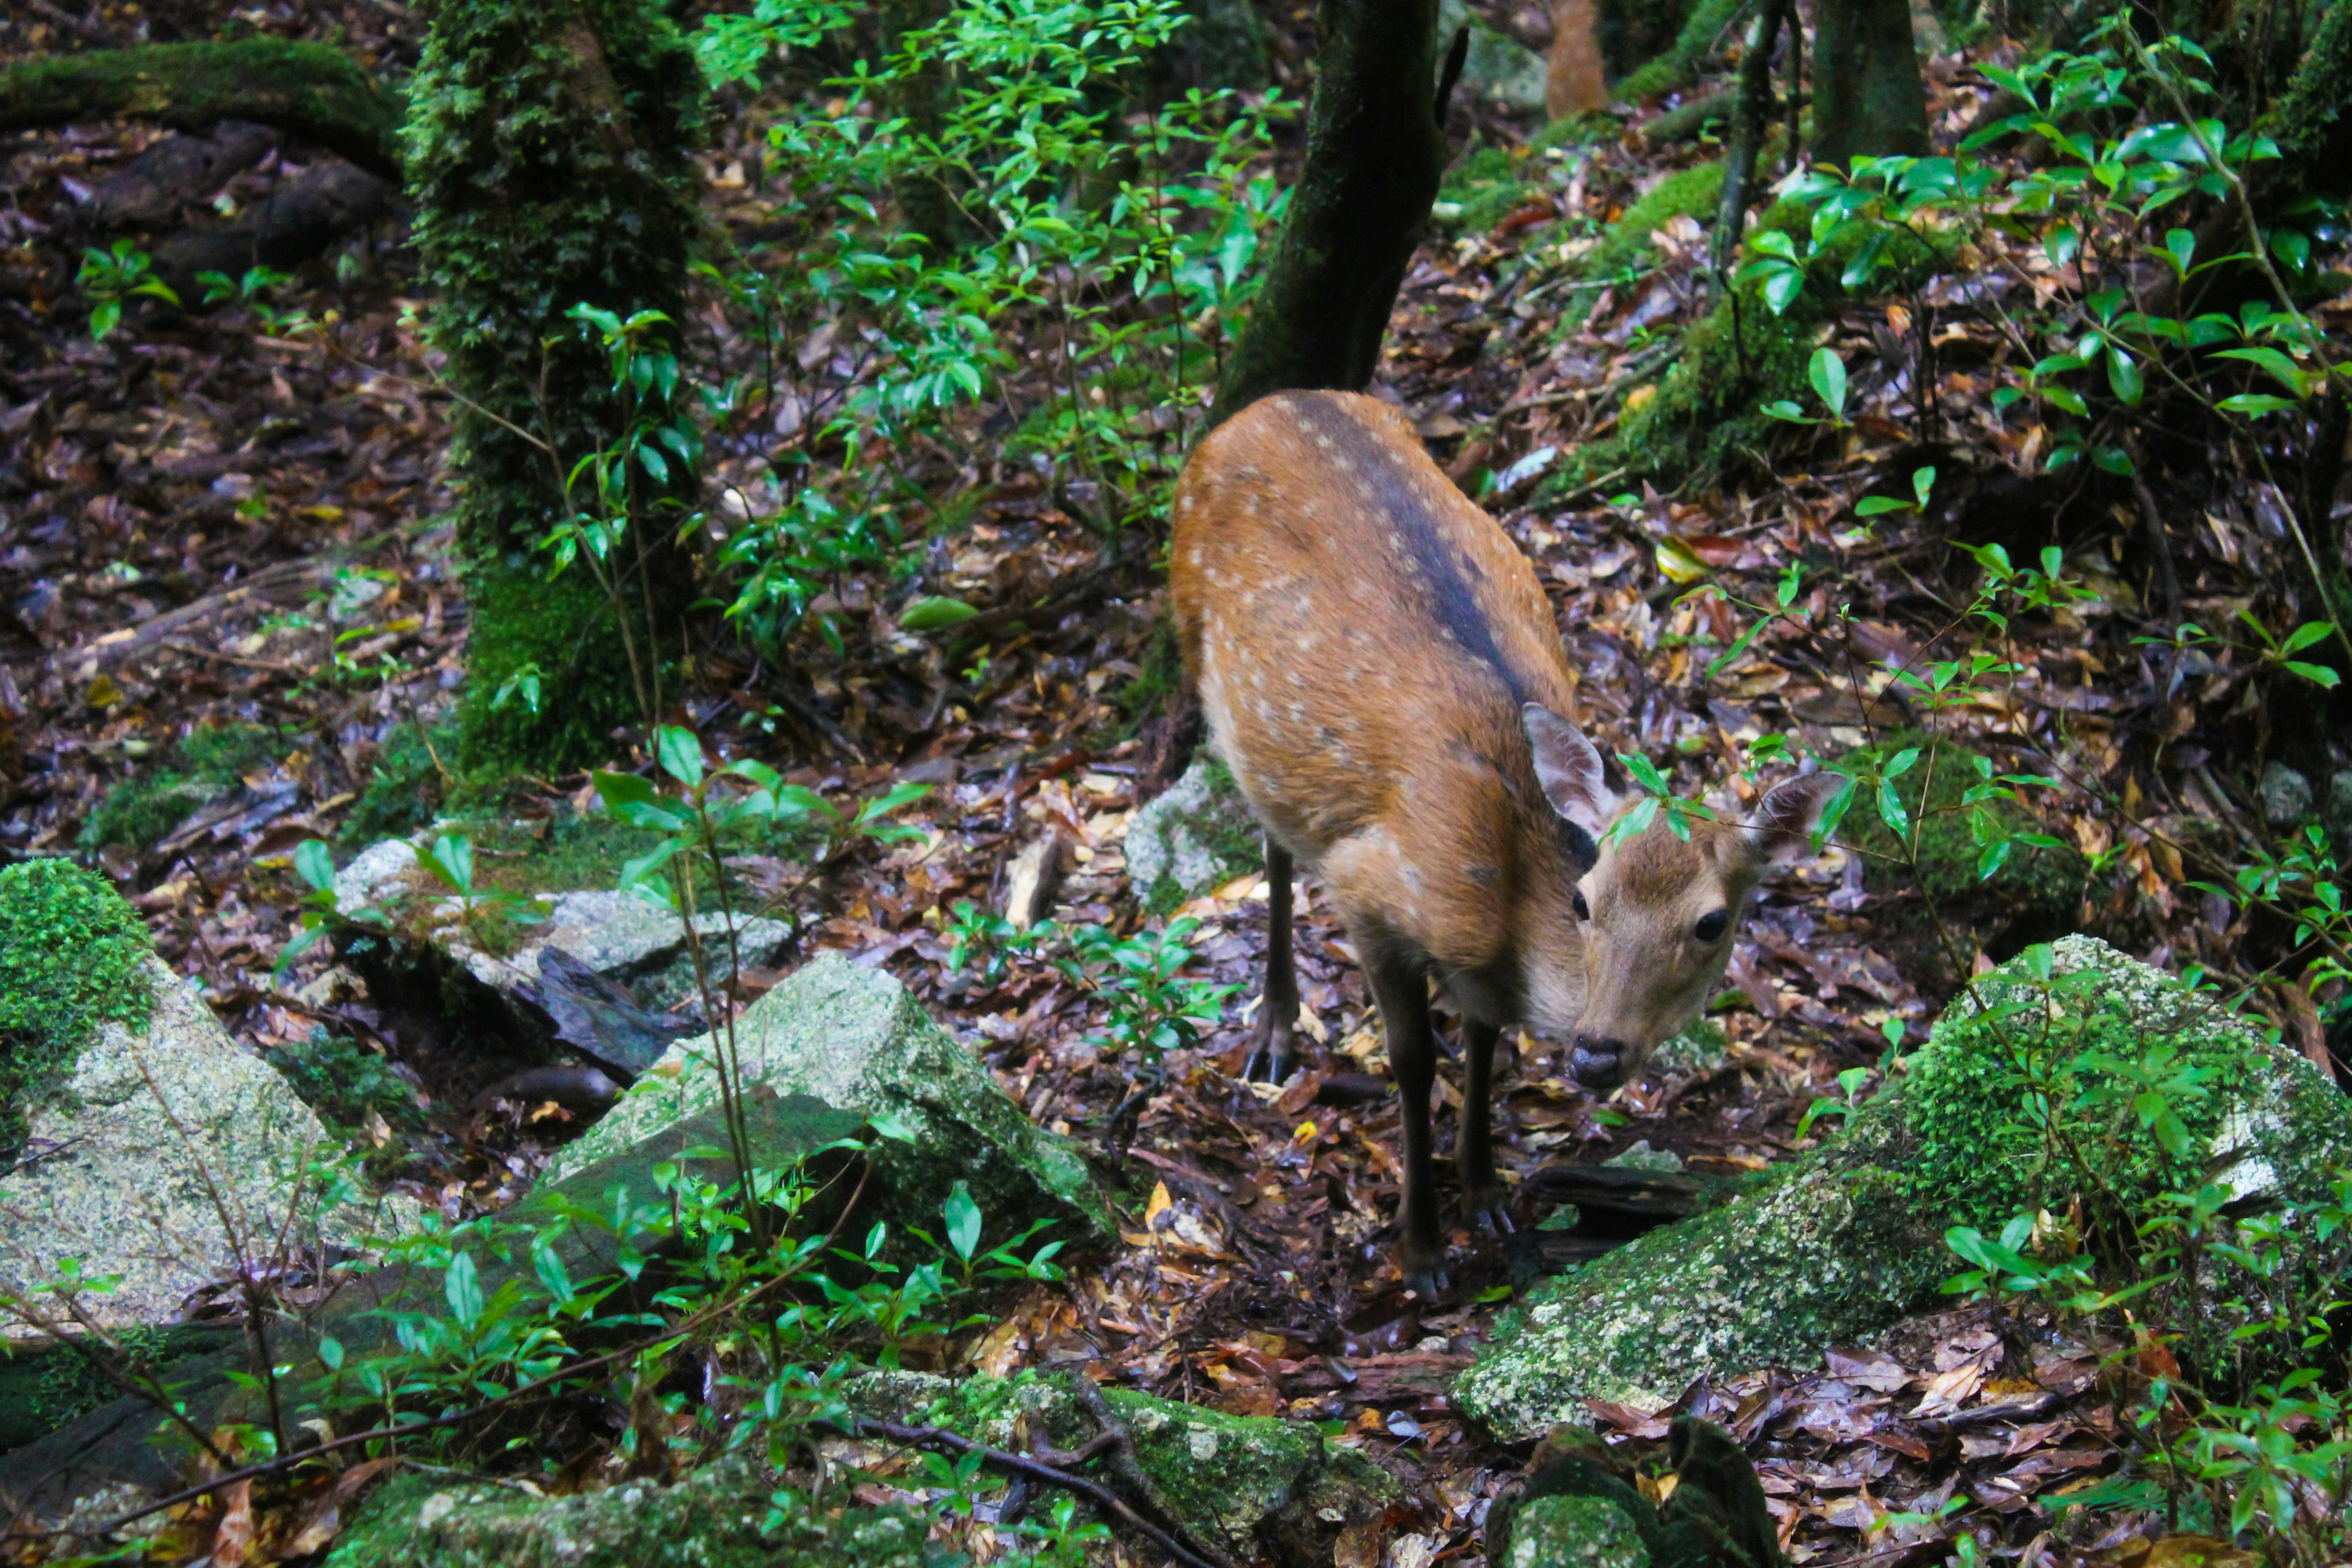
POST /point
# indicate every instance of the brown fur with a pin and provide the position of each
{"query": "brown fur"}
(1376, 659)
(1371, 742)
(1574, 83)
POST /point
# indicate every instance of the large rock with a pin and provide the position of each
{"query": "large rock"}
(599, 974)
(855, 1039)
(1499, 69)
(1250, 1486)
(166, 1154)
(1193, 836)
(1845, 1241)
(719, 1517)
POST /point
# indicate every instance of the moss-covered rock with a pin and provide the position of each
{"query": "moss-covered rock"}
(1191, 838)
(719, 1517)
(1251, 1485)
(1846, 1240)
(159, 1157)
(1498, 69)
(1574, 1532)
(1578, 1507)
(854, 1038)
(70, 953)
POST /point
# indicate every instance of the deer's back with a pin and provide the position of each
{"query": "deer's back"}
(1362, 633)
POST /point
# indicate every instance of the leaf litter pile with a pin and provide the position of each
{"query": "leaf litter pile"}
(229, 622)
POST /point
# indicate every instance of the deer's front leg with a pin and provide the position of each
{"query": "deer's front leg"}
(1277, 1015)
(1403, 998)
(1485, 1203)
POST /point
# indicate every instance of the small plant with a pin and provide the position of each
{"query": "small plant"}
(114, 276)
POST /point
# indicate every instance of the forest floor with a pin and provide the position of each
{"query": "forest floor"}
(226, 554)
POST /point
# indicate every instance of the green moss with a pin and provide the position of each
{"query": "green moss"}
(718, 1517)
(1703, 28)
(1242, 1482)
(204, 765)
(1487, 186)
(404, 789)
(2034, 896)
(349, 1086)
(551, 166)
(1691, 192)
(71, 951)
(1848, 1239)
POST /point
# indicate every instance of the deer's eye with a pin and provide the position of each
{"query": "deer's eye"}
(1576, 901)
(1712, 925)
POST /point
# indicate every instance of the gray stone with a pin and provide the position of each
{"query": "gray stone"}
(1191, 837)
(2339, 812)
(635, 952)
(1251, 1485)
(1500, 70)
(2287, 796)
(1641, 1157)
(1846, 1241)
(854, 1038)
(1563, 1532)
(718, 1517)
(168, 1153)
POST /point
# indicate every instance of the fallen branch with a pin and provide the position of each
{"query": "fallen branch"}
(314, 91)
(938, 1439)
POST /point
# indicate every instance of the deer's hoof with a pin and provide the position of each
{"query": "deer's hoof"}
(1490, 1212)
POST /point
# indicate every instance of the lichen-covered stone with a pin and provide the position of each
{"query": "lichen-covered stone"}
(166, 1151)
(854, 1038)
(1499, 69)
(1191, 838)
(424, 954)
(719, 1517)
(1574, 1532)
(1845, 1241)
(1248, 1485)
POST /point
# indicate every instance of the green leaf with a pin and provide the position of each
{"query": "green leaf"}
(1879, 506)
(549, 1266)
(2182, 245)
(2256, 403)
(889, 1126)
(463, 1287)
(2304, 636)
(1827, 373)
(680, 750)
(315, 863)
(1923, 482)
(616, 790)
(1891, 810)
(2317, 674)
(1902, 761)
(451, 859)
(933, 611)
(2123, 378)
(963, 1221)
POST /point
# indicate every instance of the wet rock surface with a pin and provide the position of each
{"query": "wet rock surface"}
(1845, 1241)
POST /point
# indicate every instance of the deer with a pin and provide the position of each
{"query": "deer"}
(1378, 668)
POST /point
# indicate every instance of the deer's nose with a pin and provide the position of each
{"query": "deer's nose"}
(1596, 1063)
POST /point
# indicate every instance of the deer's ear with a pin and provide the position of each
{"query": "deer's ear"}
(1781, 826)
(1568, 769)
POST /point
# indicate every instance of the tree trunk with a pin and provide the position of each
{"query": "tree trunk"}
(550, 169)
(1574, 82)
(1867, 97)
(313, 90)
(1754, 99)
(1375, 150)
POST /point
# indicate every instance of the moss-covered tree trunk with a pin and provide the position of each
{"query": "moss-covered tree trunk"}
(1867, 95)
(548, 161)
(313, 90)
(1375, 150)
